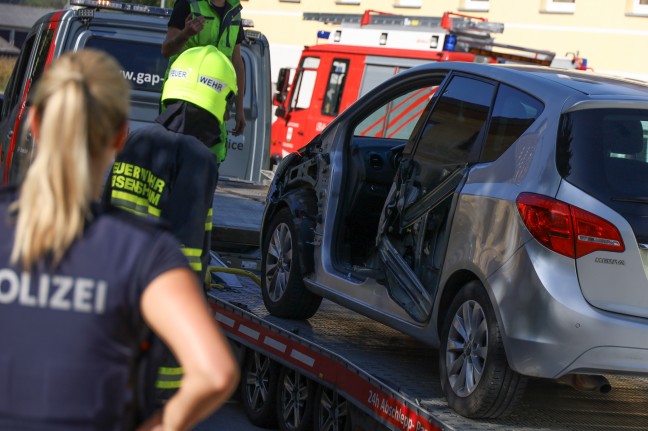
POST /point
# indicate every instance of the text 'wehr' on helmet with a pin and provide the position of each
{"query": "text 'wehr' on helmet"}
(203, 76)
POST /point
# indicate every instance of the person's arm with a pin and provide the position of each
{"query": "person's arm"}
(210, 370)
(239, 68)
(176, 38)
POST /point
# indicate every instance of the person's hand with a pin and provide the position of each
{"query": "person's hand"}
(153, 423)
(193, 26)
(240, 122)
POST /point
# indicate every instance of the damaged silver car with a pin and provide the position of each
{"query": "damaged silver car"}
(498, 213)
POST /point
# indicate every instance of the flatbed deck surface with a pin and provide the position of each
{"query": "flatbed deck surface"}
(409, 367)
(238, 209)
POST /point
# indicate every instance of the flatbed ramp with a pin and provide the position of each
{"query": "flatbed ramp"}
(393, 377)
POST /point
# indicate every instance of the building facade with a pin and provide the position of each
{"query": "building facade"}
(611, 34)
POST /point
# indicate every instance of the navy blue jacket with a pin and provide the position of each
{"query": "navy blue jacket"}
(69, 335)
(172, 175)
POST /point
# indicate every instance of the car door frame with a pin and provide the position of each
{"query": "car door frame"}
(407, 288)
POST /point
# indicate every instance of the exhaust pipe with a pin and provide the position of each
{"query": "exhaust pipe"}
(587, 382)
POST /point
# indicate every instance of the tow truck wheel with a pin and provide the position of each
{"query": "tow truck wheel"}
(284, 293)
(294, 401)
(331, 411)
(259, 389)
(475, 376)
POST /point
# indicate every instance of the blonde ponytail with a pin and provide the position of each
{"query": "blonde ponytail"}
(80, 104)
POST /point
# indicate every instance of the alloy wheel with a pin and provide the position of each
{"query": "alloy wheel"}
(467, 348)
(278, 261)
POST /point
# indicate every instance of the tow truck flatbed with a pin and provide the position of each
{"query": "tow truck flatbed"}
(393, 379)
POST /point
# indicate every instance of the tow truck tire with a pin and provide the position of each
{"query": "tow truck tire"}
(295, 395)
(331, 411)
(475, 376)
(282, 286)
(259, 377)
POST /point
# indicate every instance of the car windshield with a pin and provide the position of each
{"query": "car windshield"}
(603, 152)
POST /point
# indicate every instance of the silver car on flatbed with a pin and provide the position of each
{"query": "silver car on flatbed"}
(497, 212)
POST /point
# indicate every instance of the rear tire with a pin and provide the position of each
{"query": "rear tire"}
(475, 376)
(295, 395)
(282, 286)
(331, 411)
(259, 377)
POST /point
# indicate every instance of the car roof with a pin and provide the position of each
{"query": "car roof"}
(584, 82)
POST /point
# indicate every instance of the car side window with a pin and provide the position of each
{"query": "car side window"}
(14, 86)
(513, 113)
(449, 138)
(42, 50)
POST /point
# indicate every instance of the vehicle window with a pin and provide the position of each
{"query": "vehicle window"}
(513, 113)
(396, 119)
(305, 83)
(603, 152)
(375, 75)
(42, 50)
(335, 87)
(449, 138)
(14, 85)
(145, 71)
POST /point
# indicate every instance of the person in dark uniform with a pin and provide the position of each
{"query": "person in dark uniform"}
(80, 284)
(165, 170)
(210, 23)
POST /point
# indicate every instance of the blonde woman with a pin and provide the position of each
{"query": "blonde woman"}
(77, 282)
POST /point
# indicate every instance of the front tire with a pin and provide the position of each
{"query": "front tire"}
(282, 286)
(475, 376)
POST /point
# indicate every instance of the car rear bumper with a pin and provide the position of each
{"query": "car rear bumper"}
(549, 329)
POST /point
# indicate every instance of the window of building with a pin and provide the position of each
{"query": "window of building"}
(347, 1)
(558, 6)
(290, 1)
(408, 3)
(637, 7)
(474, 5)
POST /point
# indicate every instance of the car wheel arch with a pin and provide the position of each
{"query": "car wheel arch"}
(302, 204)
(451, 288)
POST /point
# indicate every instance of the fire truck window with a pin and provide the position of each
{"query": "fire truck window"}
(397, 118)
(375, 75)
(335, 88)
(145, 71)
(513, 113)
(305, 83)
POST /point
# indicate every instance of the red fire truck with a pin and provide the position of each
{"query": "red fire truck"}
(369, 48)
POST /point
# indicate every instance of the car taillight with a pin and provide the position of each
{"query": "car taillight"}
(566, 229)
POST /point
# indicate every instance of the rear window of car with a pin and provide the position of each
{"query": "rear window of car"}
(603, 152)
(145, 71)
